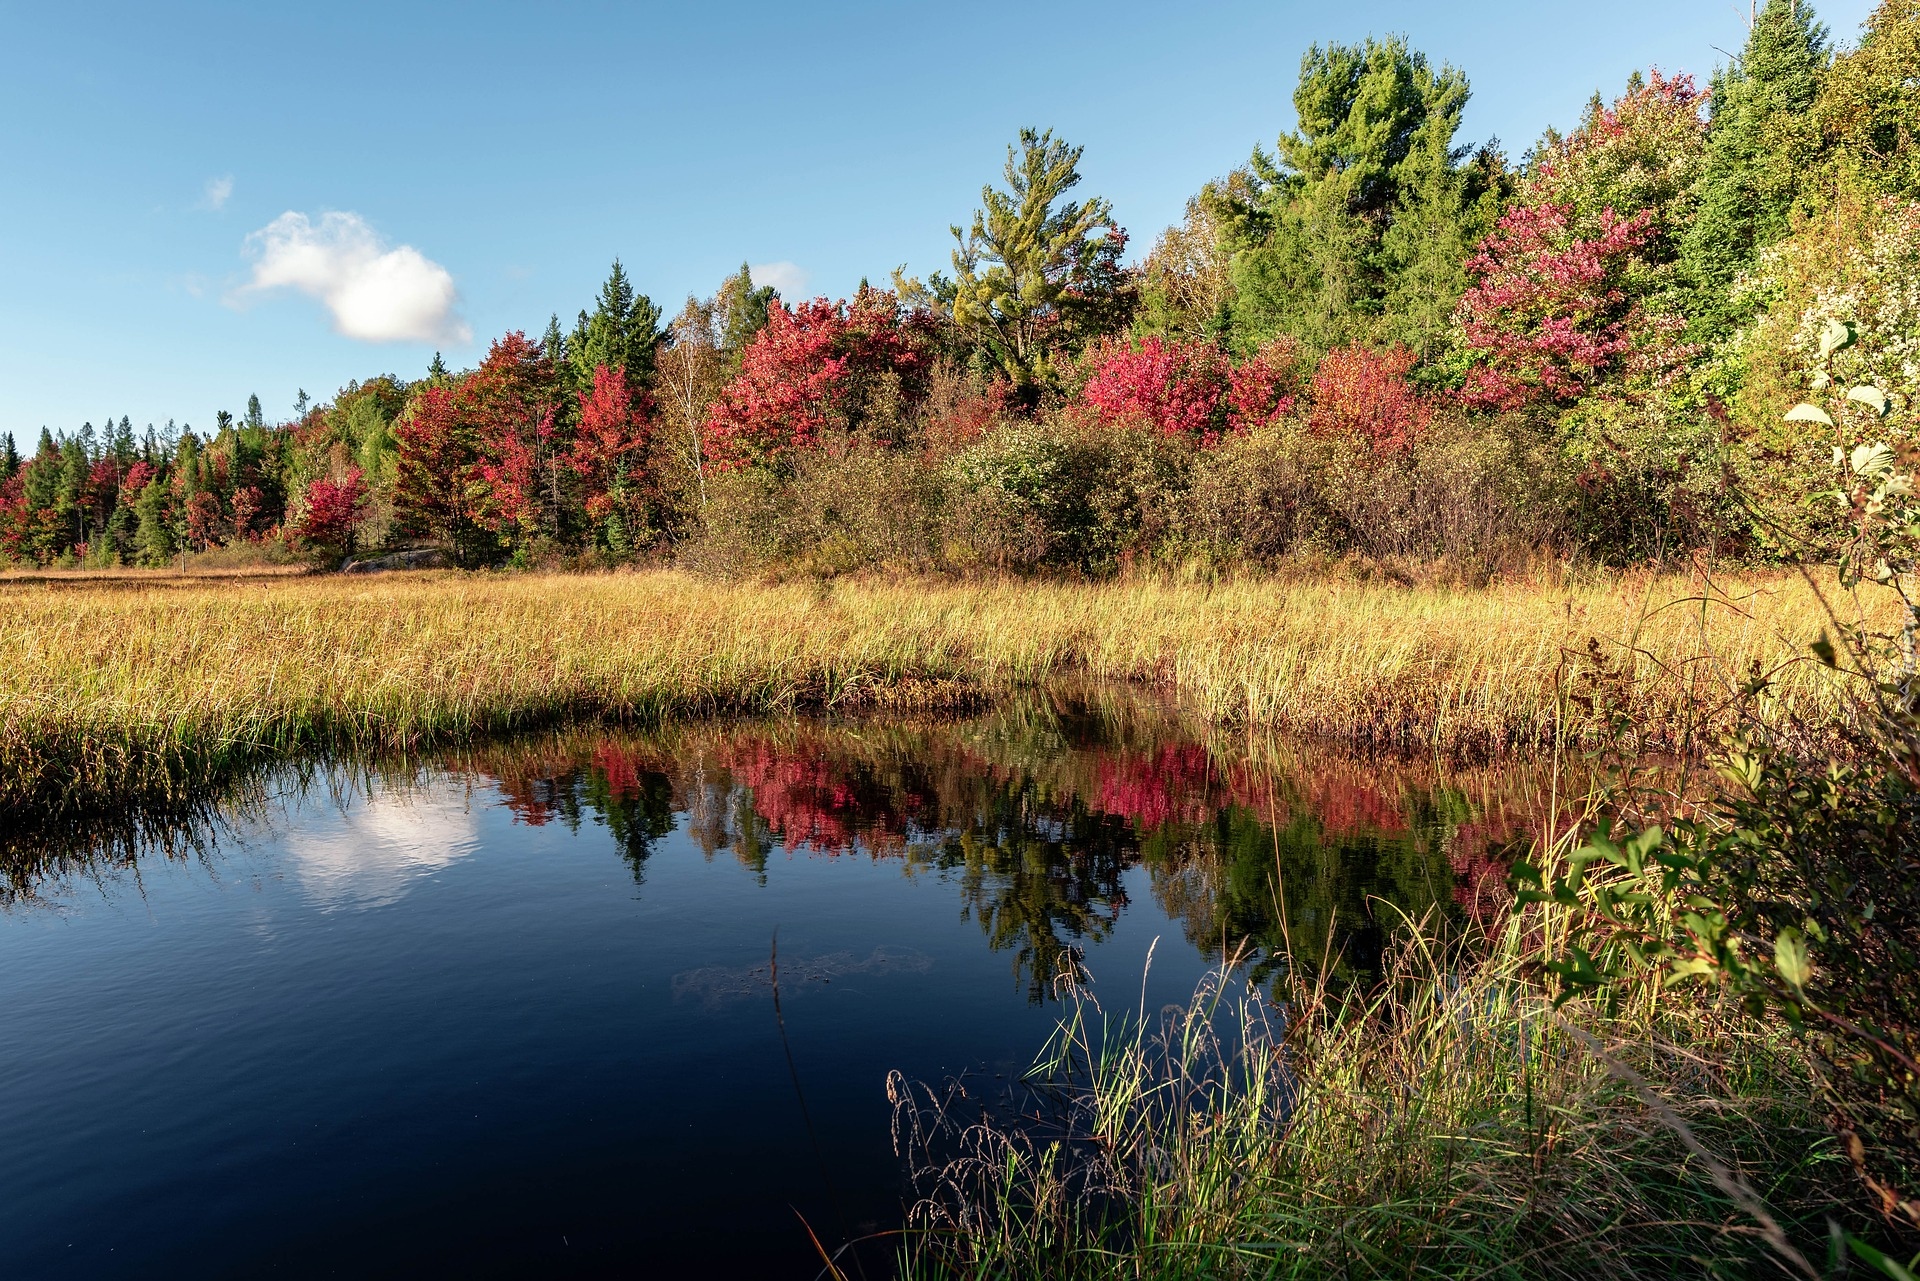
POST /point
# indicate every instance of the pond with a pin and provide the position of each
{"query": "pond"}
(511, 1009)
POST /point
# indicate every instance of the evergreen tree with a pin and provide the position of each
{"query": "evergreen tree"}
(741, 308)
(621, 333)
(153, 537)
(554, 343)
(123, 446)
(437, 371)
(43, 474)
(256, 418)
(69, 498)
(1030, 262)
(9, 458)
(1761, 143)
(1313, 225)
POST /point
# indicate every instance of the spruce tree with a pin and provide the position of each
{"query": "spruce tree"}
(43, 476)
(621, 333)
(153, 537)
(256, 417)
(9, 459)
(1761, 143)
(742, 307)
(1356, 225)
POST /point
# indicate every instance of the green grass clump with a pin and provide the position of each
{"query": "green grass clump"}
(1446, 1122)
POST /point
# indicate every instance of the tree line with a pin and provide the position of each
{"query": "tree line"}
(1373, 339)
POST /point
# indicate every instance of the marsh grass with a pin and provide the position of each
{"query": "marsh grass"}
(1443, 1123)
(118, 689)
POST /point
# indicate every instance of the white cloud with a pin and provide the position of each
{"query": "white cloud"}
(789, 278)
(214, 195)
(375, 293)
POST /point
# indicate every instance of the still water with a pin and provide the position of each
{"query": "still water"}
(509, 1011)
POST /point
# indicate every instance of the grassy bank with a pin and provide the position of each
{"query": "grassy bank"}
(115, 688)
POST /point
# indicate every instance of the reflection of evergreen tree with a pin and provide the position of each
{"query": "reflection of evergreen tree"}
(638, 814)
(1342, 891)
(1039, 878)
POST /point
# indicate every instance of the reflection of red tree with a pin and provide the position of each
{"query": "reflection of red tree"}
(1173, 783)
(1480, 871)
(533, 801)
(809, 800)
(1346, 798)
(622, 767)
(1349, 801)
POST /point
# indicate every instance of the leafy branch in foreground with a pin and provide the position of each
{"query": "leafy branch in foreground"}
(1796, 889)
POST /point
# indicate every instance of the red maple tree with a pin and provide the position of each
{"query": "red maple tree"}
(1363, 394)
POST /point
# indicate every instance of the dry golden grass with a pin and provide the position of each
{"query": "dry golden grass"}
(115, 687)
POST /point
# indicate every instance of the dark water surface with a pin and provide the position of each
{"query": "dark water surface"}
(508, 1011)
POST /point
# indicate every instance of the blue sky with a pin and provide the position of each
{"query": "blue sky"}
(483, 163)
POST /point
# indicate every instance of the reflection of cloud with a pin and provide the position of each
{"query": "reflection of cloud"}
(374, 852)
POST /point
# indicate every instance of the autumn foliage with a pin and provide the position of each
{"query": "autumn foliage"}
(817, 369)
(1548, 316)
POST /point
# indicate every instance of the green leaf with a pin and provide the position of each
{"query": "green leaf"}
(1834, 336)
(1872, 397)
(1790, 954)
(1869, 461)
(1681, 971)
(1805, 413)
(1821, 380)
(1867, 1254)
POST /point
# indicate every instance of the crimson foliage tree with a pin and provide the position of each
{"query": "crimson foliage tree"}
(329, 516)
(609, 456)
(818, 369)
(1177, 388)
(1548, 316)
(483, 460)
(1363, 394)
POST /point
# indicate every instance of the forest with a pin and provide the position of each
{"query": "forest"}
(1376, 342)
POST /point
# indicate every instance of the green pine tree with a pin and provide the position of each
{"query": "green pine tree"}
(9, 458)
(1761, 143)
(621, 333)
(1029, 261)
(1358, 225)
(742, 309)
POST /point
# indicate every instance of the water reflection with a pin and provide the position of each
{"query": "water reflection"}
(385, 841)
(1037, 814)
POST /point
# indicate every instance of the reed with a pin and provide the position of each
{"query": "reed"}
(121, 688)
(1447, 1122)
